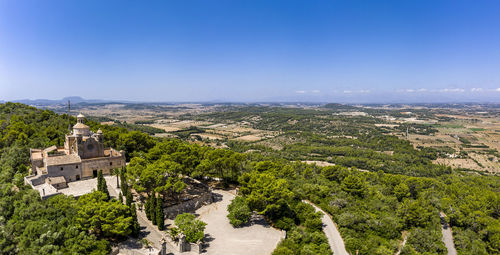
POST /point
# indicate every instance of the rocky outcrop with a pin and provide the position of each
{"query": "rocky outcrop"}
(189, 205)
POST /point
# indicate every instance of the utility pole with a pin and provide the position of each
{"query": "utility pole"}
(69, 115)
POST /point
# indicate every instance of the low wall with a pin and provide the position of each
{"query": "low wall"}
(189, 205)
(34, 180)
(132, 247)
(181, 245)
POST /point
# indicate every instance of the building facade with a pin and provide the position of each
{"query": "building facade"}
(82, 156)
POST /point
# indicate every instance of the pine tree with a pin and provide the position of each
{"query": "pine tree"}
(136, 228)
(152, 209)
(160, 219)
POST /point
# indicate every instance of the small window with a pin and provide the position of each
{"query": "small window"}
(110, 163)
(62, 168)
(76, 166)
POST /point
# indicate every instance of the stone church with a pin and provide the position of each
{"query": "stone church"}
(82, 156)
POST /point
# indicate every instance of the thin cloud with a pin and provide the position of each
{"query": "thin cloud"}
(452, 90)
(300, 91)
(476, 89)
(361, 91)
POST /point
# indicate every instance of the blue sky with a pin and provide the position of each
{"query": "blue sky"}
(336, 51)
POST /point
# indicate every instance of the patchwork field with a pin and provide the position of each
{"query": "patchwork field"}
(463, 138)
(471, 142)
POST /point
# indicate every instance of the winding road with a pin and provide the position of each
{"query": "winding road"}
(447, 235)
(332, 233)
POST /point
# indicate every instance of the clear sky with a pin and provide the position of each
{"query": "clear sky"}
(189, 50)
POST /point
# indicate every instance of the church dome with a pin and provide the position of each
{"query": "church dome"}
(80, 128)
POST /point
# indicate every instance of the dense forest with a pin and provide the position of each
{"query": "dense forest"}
(61, 224)
(398, 192)
(381, 187)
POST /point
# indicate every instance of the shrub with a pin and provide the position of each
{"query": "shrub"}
(192, 228)
(239, 212)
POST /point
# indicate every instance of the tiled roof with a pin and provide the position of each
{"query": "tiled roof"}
(80, 125)
(63, 160)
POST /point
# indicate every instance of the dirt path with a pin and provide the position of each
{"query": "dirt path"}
(403, 243)
(447, 235)
(332, 233)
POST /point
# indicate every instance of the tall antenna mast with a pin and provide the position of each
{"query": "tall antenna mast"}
(69, 119)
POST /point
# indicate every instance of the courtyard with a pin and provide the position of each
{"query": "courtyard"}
(222, 238)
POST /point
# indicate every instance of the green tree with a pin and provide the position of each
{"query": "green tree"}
(401, 191)
(354, 184)
(128, 198)
(160, 219)
(135, 227)
(264, 193)
(102, 186)
(101, 217)
(123, 180)
(415, 213)
(192, 228)
(152, 209)
(147, 207)
(239, 212)
(116, 172)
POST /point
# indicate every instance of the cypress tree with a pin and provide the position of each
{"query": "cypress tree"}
(147, 207)
(152, 209)
(123, 180)
(99, 180)
(129, 198)
(136, 228)
(101, 184)
(160, 219)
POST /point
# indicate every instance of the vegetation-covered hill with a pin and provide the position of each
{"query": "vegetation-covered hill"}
(402, 190)
(61, 224)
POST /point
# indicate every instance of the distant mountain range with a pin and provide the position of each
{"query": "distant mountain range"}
(77, 101)
(72, 99)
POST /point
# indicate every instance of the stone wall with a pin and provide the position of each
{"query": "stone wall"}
(104, 163)
(189, 205)
(70, 171)
(34, 180)
(181, 245)
(90, 148)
